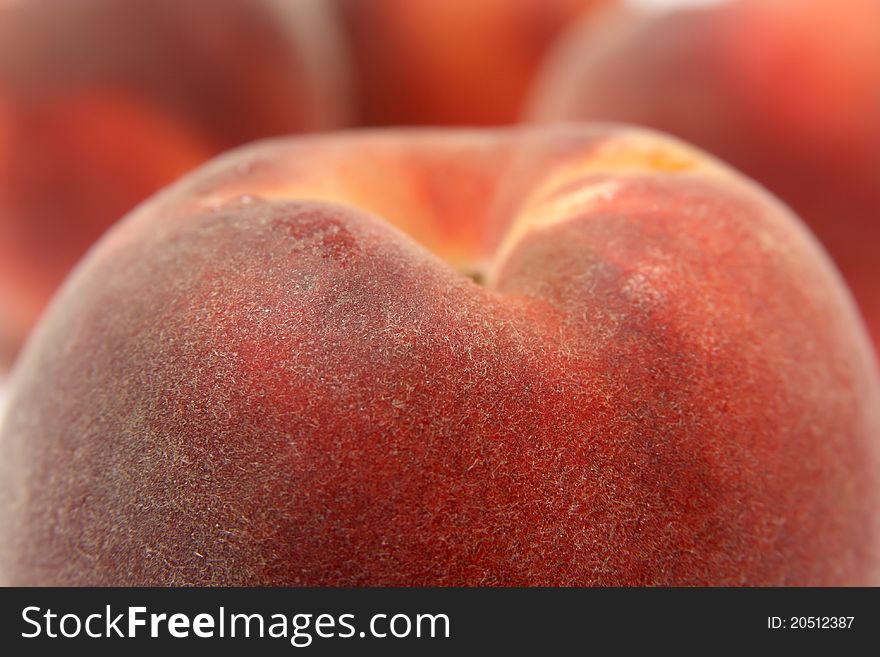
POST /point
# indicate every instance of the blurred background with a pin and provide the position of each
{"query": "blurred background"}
(104, 102)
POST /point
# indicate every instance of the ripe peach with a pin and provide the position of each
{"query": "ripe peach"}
(570, 356)
(104, 102)
(788, 91)
(435, 62)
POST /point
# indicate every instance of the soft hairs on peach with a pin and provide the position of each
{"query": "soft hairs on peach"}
(282, 371)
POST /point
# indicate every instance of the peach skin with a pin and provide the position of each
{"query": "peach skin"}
(582, 355)
(787, 91)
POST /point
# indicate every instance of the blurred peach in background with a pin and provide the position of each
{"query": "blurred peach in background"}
(451, 62)
(103, 102)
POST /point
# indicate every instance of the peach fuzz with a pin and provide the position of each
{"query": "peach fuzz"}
(787, 91)
(104, 102)
(282, 370)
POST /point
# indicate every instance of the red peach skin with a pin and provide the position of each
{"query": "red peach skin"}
(103, 102)
(787, 91)
(280, 371)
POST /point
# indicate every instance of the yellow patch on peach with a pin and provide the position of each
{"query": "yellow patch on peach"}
(576, 186)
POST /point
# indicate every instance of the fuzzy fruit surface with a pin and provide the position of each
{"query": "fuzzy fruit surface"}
(787, 91)
(277, 372)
